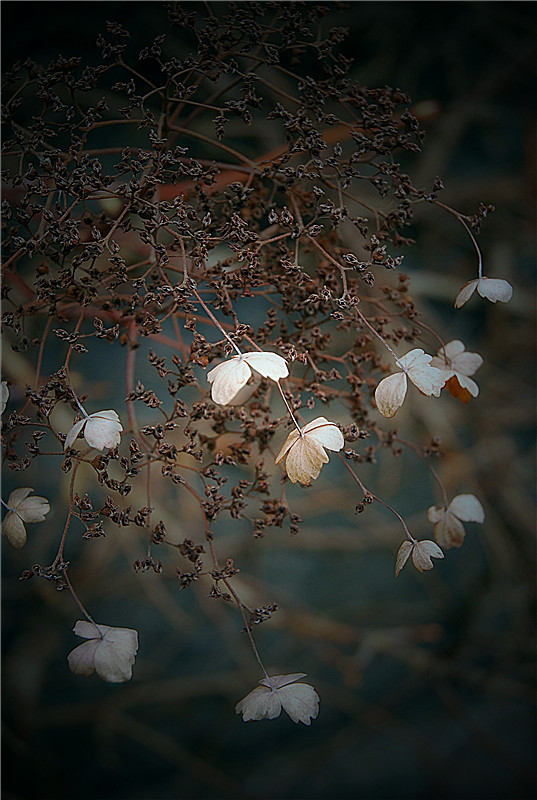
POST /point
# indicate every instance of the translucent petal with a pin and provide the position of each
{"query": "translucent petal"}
(468, 384)
(115, 655)
(4, 396)
(73, 433)
(429, 380)
(102, 431)
(402, 557)
(228, 378)
(495, 289)
(436, 513)
(467, 363)
(390, 394)
(422, 553)
(261, 703)
(465, 293)
(82, 658)
(33, 509)
(269, 365)
(289, 442)
(87, 630)
(325, 433)
(452, 349)
(449, 531)
(13, 529)
(304, 461)
(277, 681)
(414, 358)
(467, 507)
(300, 701)
(17, 496)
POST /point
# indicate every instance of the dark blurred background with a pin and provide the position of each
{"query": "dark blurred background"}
(427, 683)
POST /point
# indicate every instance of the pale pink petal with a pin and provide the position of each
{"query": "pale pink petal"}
(325, 433)
(465, 293)
(467, 507)
(422, 553)
(449, 531)
(82, 658)
(269, 365)
(495, 289)
(73, 433)
(228, 378)
(402, 557)
(13, 529)
(390, 394)
(300, 701)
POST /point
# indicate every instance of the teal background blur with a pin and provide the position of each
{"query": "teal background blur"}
(426, 683)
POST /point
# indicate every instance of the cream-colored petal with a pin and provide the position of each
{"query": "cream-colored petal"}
(467, 383)
(269, 365)
(402, 556)
(13, 529)
(289, 442)
(414, 358)
(261, 703)
(277, 681)
(325, 433)
(73, 433)
(449, 531)
(428, 380)
(436, 513)
(465, 293)
(452, 349)
(304, 461)
(4, 396)
(17, 496)
(390, 394)
(116, 654)
(87, 630)
(82, 658)
(422, 553)
(33, 509)
(300, 701)
(227, 379)
(495, 289)
(467, 507)
(101, 432)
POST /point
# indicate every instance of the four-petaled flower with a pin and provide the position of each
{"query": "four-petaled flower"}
(492, 288)
(102, 429)
(229, 377)
(448, 528)
(299, 700)
(305, 449)
(22, 509)
(457, 365)
(391, 391)
(109, 651)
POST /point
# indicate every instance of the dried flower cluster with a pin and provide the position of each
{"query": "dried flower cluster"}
(262, 281)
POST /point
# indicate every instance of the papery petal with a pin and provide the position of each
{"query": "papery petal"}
(402, 556)
(465, 293)
(116, 654)
(429, 380)
(422, 553)
(87, 630)
(82, 658)
(467, 383)
(227, 379)
(452, 349)
(261, 703)
(414, 358)
(269, 365)
(103, 430)
(495, 289)
(390, 393)
(73, 433)
(325, 433)
(449, 531)
(17, 496)
(300, 701)
(466, 363)
(4, 396)
(33, 509)
(289, 442)
(13, 529)
(277, 681)
(304, 461)
(467, 507)
(436, 513)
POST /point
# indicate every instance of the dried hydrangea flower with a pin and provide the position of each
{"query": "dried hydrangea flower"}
(4, 396)
(229, 377)
(416, 364)
(102, 429)
(299, 700)
(422, 552)
(305, 449)
(492, 289)
(22, 509)
(457, 365)
(109, 651)
(448, 528)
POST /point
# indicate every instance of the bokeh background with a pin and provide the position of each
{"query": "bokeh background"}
(427, 683)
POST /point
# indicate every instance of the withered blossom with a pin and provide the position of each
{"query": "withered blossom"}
(229, 377)
(22, 508)
(422, 553)
(110, 652)
(458, 364)
(102, 429)
(416, 364)
(492, 289)
(299, 700)
(305, 449)
(448, 528)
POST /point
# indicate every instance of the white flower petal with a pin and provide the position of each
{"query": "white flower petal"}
(465, 293)
(429, 380)
(277, 681)
(17, 496)
(103, 429)
(402, 556)
(82, 658)
(289, 442)
(422, 553)
(269, 365)
(390, 394)
(13, 529)
(228, 378)
(115, 655)
(304, 461)
(4, 396)
(300, 701)
(452, 349)
(467, 363)
(414, 358)
(261, 703)
(73, 433)
(467, 383)
(87, 630)
(325, 433)
(33, 509)
(495, 289)
(436, 513)
(467, 508)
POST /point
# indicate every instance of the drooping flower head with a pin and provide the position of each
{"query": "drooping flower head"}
(102, 429)
(22, 508)
(416, 364)
(299, 700)
(457, 365)
(492, 289)
(422, 553)
(305, 450)
(229, 377)
(448, 528)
